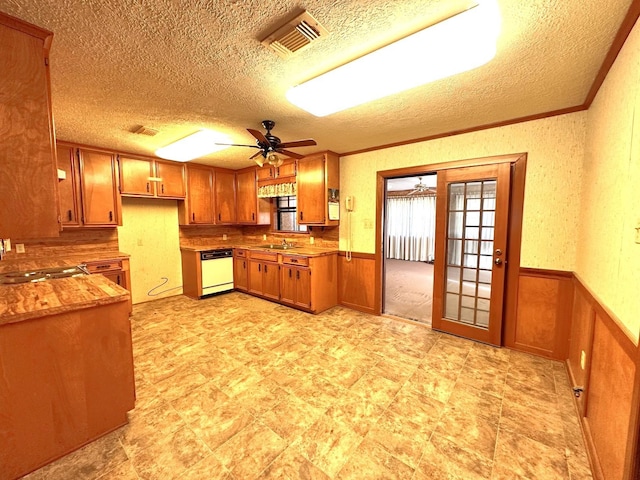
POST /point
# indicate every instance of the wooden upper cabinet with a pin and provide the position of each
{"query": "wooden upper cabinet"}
(198, 207)
(225, 197)
(99, 189)
(170, 179)
(27, 157)
(136, 175)
(251, 210)
(288, 169)
(265, 173)
(68, 188)
(316, 175)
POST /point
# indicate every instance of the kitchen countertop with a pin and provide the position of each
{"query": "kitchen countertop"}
(27, 301)
(306, 250)
(22, 264)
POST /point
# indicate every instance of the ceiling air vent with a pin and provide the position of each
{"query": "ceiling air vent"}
(295, 35)
(141, 130)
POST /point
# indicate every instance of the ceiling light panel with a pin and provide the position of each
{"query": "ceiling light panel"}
(194, 146)
(455, 45)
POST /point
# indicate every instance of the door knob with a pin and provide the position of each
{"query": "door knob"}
(498, 261)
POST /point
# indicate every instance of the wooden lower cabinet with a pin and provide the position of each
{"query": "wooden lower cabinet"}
(295, 286)
(264, 279)
(67, 379)
(240, 270)
(307, 283)
(116, 270)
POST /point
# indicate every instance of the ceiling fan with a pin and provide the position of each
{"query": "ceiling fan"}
(268, 145)
(420, 187)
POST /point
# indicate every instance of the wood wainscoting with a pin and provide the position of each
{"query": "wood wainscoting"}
(543, 313)
(605, 362)
(356, 281)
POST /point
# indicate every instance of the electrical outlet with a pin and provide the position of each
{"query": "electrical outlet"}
(224, 236)
(20, 247)
(583, 359)
(7, 245)
(368, 224)
(312, 240)
(139, 242)
(264, 236)
(638, 231)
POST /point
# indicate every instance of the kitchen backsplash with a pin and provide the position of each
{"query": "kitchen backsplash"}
(70, 242)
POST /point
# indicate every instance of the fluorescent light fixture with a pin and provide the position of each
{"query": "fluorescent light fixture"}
(455, 45)
(195, 145)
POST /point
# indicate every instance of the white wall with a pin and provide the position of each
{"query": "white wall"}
(555, 148)
(608, 256)
(149, 233)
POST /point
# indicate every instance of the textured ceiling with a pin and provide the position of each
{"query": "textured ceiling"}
(178, 66)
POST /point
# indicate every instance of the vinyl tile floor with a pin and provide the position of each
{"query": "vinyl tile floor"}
(234, 387)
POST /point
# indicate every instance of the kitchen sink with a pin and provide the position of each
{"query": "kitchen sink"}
(32, 276)
(277, 246)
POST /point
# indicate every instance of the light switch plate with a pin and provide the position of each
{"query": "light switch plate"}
(7, 245)
(20, 247)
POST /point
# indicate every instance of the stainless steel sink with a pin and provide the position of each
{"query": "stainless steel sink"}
(277, 246)
(41, 275)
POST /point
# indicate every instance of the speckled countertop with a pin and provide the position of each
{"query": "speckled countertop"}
(20, 264)
(306, 250)
(32, 300)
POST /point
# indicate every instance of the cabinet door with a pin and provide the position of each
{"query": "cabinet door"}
(135, 176)
(265, 173)
(115, 277)
(287, 169)
(200, 195)
(225, 187)
(288, 284)
(311, 190)
(255, 277)
(172, 182)
(271, 281)
(247, 195)
(27, 157)
(240, 274)
(68, 193)
(303, 287)
(100, 199)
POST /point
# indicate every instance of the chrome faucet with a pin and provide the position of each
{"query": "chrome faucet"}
(284, 242)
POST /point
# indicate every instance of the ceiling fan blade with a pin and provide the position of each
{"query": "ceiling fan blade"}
(298, 143)
(289, 154)
(255, 155)
(236, 145)
(259, 136)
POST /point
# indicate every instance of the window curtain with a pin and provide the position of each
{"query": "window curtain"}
(411, 228)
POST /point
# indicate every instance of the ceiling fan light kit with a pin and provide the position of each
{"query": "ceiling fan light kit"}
(269, 145)
(460, 43)
(193, 146)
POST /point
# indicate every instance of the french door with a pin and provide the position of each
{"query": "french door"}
(472, 214)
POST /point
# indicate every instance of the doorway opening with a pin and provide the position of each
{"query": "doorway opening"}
(409, 246)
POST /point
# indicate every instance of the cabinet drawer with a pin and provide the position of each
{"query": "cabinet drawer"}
(267, 256)
(106, 266)
(295, 260)
(238, 252)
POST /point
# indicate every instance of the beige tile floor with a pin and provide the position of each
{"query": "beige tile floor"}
(237, 388)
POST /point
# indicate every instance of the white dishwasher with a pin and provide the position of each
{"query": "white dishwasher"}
(217, 271)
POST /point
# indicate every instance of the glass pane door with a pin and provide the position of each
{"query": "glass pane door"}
(473, 206)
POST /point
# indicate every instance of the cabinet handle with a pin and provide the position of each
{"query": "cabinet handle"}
(244, 265)
(102, 267)
(294, 260)
(193, 217)
(110, 216)
(148, 187)
(300, 215)
(289, 273)
(298, 274)
(118, 280)
(69, 215)
(219, 217)
(162, 188)
(265, 269)
(259, 267)
(253, 215)
(277, 172)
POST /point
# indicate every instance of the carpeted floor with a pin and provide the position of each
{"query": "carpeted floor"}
(408, 289)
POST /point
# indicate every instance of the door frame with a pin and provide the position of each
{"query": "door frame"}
(518, 162)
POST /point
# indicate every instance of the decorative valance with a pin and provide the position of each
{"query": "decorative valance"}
(277, 190)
